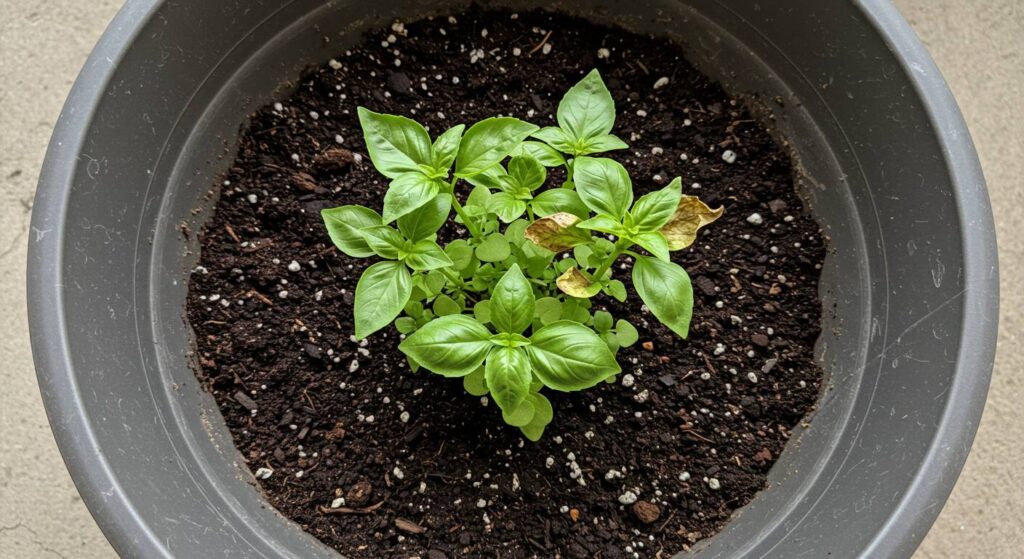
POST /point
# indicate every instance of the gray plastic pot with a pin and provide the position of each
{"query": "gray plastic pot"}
(910, 288)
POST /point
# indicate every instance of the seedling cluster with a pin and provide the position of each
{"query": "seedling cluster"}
(498, 308)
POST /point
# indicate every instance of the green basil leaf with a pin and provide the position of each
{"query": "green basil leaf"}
(556, 138)
(654, 243)
(543, 413)
(545, 154)
(494, 248)
(602, 144)
(460, 253)
(424, 222)
(433, 283)
(512, 302)
(405, 325)
(508, 376)
(652, 211)
(603, 321)
(521, 416)
(344, 225)
(426, 255)
(478, 199)
(527, 172)
(557, 232)
(397, 145)
(665, 288)
(445, 305)
(559, 200)
(626, 333)
(451, 346)
(488, 142)
(506, 207)
(568, 356)
(482, 311)
(602, 223)
(407, 193)
(548, 310)
(446, 147)
(475, 383)
(491, 178)
(587, 110)
(615, 289)
(382, 292)
(603, 185)
(514, 231)
(384, 241)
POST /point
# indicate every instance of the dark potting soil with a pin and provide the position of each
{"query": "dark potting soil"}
(377, 461)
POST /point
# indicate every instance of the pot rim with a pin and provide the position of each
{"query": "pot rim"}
(114, 510)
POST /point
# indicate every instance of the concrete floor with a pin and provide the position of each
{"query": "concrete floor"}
(977, 43)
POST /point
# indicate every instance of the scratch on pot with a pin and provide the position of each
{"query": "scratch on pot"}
(918, 322)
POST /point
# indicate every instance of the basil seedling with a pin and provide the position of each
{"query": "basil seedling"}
(496, 308)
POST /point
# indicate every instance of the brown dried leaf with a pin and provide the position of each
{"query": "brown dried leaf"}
(409, 526)
(691, 214)
(557, 232)
(574, 283)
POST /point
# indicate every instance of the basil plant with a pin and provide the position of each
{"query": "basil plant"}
(495, 305)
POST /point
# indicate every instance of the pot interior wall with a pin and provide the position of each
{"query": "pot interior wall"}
(872, 171)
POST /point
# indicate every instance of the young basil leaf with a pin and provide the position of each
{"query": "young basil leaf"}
(423, 222)
(654, 243)
(626, 333)
(527, 172)
(384, 241)
(460, 253)
(521, 416)
(557, 232)
(615, 289)
(396, 144)
(543, 413)
(548, 310)
(382, 292)
(514, 231)
(603, 185)
(567, 356)
(652, 211)
(475, 383)
(559, 200)
(506, 207)
(405, 325)
(583, 254)
(451, 346)
(445, 305)
(494, 248)
(575, 284)
(508, 376)
(665, 288)
(602, 144)
(545, 154)
(691, 215)
(512, 302)
(574, 310)
(556, 138)
(478, 199)
(426, 255)
(407, 193)
(587, 110)
(603, 321)
(446, 147)
(602, 223)
(491, 178)
(433, 283)
(344, 225)
(488, 142)
(482, 311)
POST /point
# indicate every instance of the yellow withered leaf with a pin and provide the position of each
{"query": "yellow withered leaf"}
(557, 232)
(574, 283)
(691, 214)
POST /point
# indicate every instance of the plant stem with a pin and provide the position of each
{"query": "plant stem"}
(448, 273)
(620, 247)
(461, 212)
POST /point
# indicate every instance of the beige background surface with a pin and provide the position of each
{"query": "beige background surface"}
(978, 44)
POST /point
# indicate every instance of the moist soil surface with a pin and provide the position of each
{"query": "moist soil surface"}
(377, 461)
